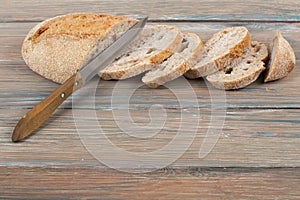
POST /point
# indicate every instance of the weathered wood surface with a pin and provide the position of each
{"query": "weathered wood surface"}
(250, 138)
(188, 183)
(208, 10)
(256, 157)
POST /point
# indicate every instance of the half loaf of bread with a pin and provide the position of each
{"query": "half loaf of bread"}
(243, 71)
(57, 47)
(282, 59)
(152, 46)
(220, 51)
(176, 65)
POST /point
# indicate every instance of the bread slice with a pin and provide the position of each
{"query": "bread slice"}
(182, 60)
(56, 48)
(220, 51)
(282, 59)
(243, 71)
(153, 45)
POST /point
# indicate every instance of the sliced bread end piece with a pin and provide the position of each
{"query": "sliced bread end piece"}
(180, 62)
(243, 71)
(152, 47)
(282, 59)
(57, 47)
(220, 51)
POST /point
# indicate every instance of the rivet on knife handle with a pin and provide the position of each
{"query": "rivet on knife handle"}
(42, 111)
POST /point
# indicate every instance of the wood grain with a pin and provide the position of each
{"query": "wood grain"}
(184, 183)
(250, 138)
(256, 157)
(33, 119)
(206, 10)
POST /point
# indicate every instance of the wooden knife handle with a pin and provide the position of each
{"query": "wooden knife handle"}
(42, 111)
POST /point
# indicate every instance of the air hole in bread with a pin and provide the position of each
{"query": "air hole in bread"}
(150, 50)
(228, 70)
(257, 48)
(245, 69)
(182, 47)
(118, 58)
(249, 62)
(41, 31)
(165, 60)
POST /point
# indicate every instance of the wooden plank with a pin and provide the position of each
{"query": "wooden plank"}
(25, 92)
(256, 157)
(222, 10)
(250, 138)
(189, 183)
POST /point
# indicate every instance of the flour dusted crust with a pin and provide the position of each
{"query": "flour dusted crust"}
(282, 60)
(57, 47)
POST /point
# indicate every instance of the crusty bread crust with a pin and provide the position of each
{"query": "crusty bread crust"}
(243, 71)
(227, 56)
(282, 60)
(176, 65)
(57, 47)
(128, 66)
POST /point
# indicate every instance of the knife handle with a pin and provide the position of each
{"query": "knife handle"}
(42, 111)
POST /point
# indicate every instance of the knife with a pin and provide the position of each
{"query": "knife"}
(33, 119)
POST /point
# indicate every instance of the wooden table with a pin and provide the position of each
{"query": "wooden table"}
(256, 157)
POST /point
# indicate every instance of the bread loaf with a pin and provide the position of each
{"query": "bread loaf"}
(152, 46)
(282, 59)
(243, 71)
(220, 51)
(56, 48)
(180, 62)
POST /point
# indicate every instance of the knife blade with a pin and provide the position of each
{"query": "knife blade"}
(33, 119)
